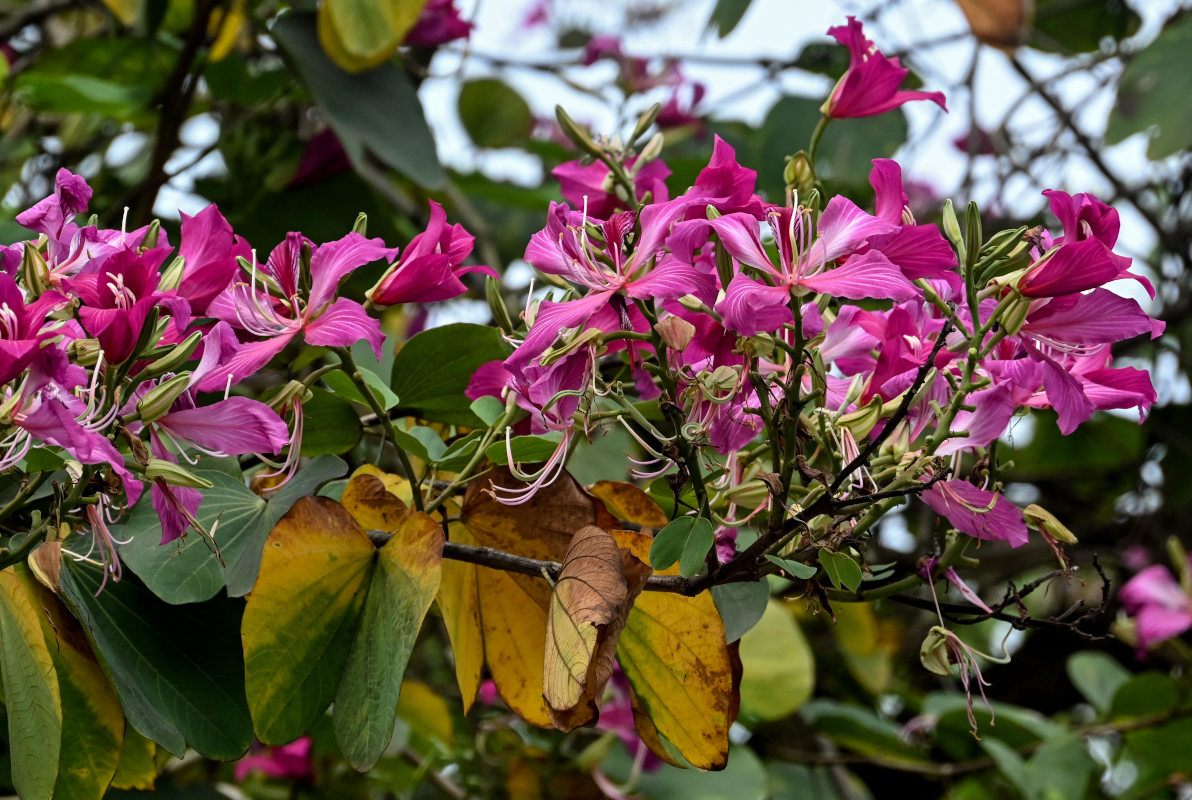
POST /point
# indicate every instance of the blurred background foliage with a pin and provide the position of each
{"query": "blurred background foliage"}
(297, 116)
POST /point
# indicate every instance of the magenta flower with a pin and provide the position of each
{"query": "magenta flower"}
(438, 24)
(1161, 608)
(209, 248)
(870, 84)
(431, 266)
(977, 512)
(22, 327)
(750, 306)
(292, 761)
(50, 215)
(592, 184)
(321, 317)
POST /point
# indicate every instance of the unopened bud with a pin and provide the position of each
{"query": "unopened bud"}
(174, 474)
(157, 401)
(675, 332)
(360, 226)
(496, 304)
(973, 234)
(171, 276)
(573, 131)
(584, 338)
(799, 174)
(651, 151)
(150, 240)
(175, 359)
(84, 352)
(35, 274)
(1043, 520)
(951, 226)
(1016, 308)
(861, 421)
(644, 122)
(934, 652)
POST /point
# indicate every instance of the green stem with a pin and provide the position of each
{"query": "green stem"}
(28, 489)
(953, 553)
(816, 135)
(349, 368)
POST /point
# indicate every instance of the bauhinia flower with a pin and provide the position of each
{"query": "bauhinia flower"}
(274, 307)
(977, 512)
(870, 85)
(1161, 608)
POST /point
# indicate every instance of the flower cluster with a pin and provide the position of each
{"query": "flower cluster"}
(125, 358)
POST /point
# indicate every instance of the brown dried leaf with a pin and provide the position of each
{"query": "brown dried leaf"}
(629, 503)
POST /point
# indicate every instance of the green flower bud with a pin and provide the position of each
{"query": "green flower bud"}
(157, 401)
(496, 304)
(174, 474)
(171, 276)
(175, 359)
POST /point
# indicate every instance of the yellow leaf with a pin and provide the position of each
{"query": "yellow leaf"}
(857, 633)
(459, 604)
(778, 666)
(680, 668)
(1000, 23)
(92, 719)
(426, 712)
(127, 11)
(589, 605)
(369, 500)
(301, 617)
(227, 26)
(31, 692)
(361, 34)
(629, 503)
(513, 607)
(137, 769)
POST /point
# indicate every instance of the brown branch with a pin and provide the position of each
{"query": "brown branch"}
(33, 16)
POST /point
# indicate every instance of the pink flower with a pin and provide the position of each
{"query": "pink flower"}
(977, 512)
(209, 249)
(593, 183)
(291, 761)
(870, 85)
(1160, 606)
(431, 266)
(438, 24)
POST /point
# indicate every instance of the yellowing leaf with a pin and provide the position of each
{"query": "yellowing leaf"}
(513, 607)
(360, 34)
(127, 11)
(31, 693)
(92, 719)
(589, 604)
(459, 604)
(372, 503)
(858, 635)
(400, 592)
(301, 617)
(629, 503)
(227, 26)
(426, 712)
(137, 768)
(1001, 23)
(680, 668)
(778, 666)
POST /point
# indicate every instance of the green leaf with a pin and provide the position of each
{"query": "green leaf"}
(1145, 694)
(360, 34)
(456, 457)
(186, 570)
(859, 729)
(1166, 748)
(1080, 26)
(488, 408)
(778, 668)
(31, 692)
(401, 589)
(302, 615)
(81, 94)
(433, 369)
(670, 542)
(493, 113)
(341, 383)
(375, 112)
(727, 15)
(741, 605)
(1153, 92)
(1061, 768)
(796, 569)
(330, 425)
(841, 569)
(178, 670)
(525, 449)
(1098, 676)
(1010, 764)
(743, 779)
(695, 551)
(421, 442)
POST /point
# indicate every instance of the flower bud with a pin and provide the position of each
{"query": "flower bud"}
(951, 226)
(799, 174)
(644, 122)
(171, 276)
(286, 395)
(84, 352)
(1043, 520)
(496, 304)
(151, 235)
(572, 130)
(934, 652)
(675, 332)
(175, 359)
(157, 401)
(174, 474)
(651, 151)
(360, 226)
(1016, 309)
(45, 562)
(35, 274)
